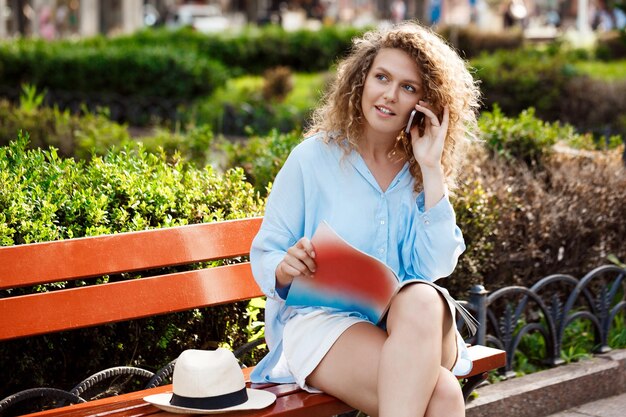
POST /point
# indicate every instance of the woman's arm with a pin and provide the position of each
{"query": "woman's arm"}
(433, 242)
(279, 252)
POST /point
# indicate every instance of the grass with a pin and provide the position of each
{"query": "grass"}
(609, 71)
(307, 88)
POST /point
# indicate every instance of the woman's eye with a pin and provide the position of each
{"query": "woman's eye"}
(381, 77)
(410, 88)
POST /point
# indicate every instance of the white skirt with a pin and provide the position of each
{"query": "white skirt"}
(308, 337)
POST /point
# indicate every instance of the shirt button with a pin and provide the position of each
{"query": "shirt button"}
(382, 222)
(381, 251)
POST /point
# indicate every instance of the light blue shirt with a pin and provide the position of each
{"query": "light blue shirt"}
(320, 182)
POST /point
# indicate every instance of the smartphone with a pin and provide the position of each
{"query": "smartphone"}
(413, 121)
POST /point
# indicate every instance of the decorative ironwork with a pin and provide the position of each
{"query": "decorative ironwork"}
(548, 308)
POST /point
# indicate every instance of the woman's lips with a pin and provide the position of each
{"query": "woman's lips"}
(384, 110)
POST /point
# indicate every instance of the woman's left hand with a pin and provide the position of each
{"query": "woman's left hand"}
(428, 148)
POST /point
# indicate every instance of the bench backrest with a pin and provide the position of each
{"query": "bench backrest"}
(64, 309)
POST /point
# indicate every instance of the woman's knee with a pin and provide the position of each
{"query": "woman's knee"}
(417, 305)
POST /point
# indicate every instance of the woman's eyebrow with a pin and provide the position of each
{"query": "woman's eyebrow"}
(407, 80)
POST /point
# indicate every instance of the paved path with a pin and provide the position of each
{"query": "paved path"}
(608, 407)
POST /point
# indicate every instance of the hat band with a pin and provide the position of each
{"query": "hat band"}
(211, 403)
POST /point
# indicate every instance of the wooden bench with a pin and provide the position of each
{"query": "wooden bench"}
(42, 313)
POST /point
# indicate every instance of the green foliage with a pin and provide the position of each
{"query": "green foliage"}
(525, 137)
(193, 145)
(46, 197)
(256, 49)
(261, 157)
(137, 70)
(578, 341)
(577, 344)
(477, 211)
(617, 335)
(93, 133)
(30, 100)
(72, 135)
(523, 78)
(612, 70)
(557, 83)
(241, 108)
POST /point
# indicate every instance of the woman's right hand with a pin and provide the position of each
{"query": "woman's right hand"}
(298, 261)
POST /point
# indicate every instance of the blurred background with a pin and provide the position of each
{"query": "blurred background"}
(53, 19)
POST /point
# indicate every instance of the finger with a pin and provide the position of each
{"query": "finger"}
(290, 270)
(300, 259)
(306, 244)
(431, 117)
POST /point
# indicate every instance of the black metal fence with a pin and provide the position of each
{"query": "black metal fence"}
(549, 307)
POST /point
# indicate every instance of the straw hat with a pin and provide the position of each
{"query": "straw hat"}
(209, 382)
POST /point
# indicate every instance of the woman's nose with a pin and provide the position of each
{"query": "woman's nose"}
(390, 94)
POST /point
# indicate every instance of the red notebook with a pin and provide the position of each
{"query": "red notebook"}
(351, 280)
(345, 278)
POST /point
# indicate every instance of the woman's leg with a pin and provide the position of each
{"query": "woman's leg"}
(353, 368)
(421, 340)
(447, 399)
(349, 371)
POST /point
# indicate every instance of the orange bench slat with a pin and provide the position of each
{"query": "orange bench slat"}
(106, 303)
(37, 263)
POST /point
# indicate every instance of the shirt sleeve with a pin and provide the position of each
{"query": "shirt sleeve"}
(282, 226)
(433, 241)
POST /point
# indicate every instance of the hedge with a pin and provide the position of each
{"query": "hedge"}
(151, 71)
(549, 82)
(46, 197)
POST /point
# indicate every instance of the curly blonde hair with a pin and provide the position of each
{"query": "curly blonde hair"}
(446, 81)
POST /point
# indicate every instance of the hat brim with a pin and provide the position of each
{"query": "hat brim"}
(257, 399)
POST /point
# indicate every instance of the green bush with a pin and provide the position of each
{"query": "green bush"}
(150, 71)
(139, 84)
(73, 135)
(477, 214)
(90, 134)
(241, 109)
(261, 157)
(611, 45)
(517, 80)
(525, 137)
(256, 49)
(46, 197)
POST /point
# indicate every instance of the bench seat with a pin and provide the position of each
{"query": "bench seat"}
(291, 400)
(24, 266)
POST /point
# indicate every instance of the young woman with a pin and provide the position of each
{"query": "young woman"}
(385, 192)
